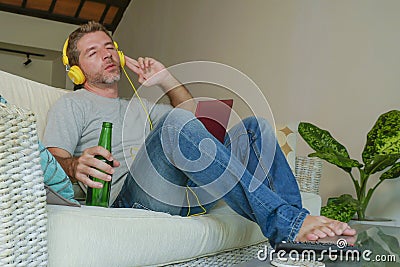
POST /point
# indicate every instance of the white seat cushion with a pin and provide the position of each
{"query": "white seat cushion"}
(93, 236)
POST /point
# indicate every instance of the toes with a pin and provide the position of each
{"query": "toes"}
(324, 219)
(312, 237)
(337, 227)
(349, 231)
(341, 228)
(328, 231)
(316, 227)
(320, 232)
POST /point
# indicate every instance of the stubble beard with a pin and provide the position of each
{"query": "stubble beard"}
(112, 78)
(105, 77)
(108, 78)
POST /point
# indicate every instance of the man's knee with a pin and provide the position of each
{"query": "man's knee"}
(254, 122)
(177, 117)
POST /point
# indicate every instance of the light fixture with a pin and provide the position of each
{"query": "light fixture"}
(28, 60)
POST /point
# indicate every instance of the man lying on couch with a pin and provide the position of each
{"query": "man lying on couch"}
(178, 154)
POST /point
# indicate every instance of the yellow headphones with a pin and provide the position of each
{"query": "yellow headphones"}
(75, 73)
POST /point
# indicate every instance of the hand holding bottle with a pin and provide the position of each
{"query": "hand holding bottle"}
(88, 165)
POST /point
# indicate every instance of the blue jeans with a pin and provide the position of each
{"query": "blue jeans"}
(182, 170)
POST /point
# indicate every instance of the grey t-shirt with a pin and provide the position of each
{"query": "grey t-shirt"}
(74, 124)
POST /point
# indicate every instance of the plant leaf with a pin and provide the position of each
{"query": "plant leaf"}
(342, 162)
(383, 138)
(392, 173)
(326, 146)
(380, 162)
(340, 208)
(320, 140)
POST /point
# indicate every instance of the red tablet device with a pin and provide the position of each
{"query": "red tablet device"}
(214, 114)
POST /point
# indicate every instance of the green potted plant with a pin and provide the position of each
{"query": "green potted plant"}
(381, 154)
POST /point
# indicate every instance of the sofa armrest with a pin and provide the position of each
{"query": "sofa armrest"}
(312, 202)
(23, 217)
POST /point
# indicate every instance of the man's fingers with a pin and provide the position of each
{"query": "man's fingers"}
(89, 165)
(99, 175)
(84, 176)
(133, 65)
(87, 181)
(145, 63)
(116, 163)
(97, 150)
(131, 61)
(141, 62)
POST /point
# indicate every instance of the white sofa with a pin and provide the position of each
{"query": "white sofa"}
(93, 236)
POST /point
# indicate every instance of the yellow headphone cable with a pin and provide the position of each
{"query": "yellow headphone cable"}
(140, 100)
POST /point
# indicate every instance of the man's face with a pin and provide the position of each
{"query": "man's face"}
(98, 58)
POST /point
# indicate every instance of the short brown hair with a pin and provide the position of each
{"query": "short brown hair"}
(75, 36)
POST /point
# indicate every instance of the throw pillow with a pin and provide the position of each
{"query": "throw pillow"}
(286, 136)
(54, 175)
(2, 100)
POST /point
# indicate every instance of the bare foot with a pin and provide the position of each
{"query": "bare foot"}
(315, 227)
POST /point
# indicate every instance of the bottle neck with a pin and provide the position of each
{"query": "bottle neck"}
(105, 138)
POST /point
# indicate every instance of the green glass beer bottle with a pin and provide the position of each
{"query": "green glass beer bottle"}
(101, 196)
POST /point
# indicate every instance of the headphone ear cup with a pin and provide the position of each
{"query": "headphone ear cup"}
(76, 75)
(121, 58)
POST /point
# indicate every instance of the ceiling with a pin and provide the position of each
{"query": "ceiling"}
(107, 12)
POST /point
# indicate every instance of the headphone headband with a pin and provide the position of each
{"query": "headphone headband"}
(64, 53)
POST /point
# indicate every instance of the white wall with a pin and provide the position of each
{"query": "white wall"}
(34, 32)
(333, 63)
(39, 70)
(36, 35)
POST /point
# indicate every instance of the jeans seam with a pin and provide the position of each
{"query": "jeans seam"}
(254, 137)
(258, 153)
(294, 231)
(233, 139)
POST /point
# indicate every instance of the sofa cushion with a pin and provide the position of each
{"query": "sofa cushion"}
(151, 237)
(3, 100)
(30, 95)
